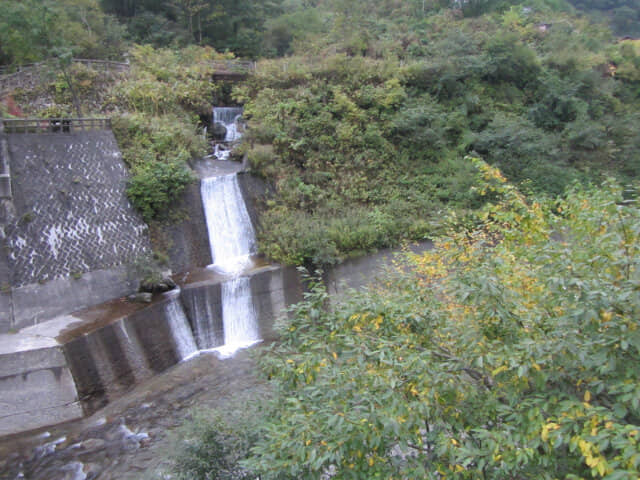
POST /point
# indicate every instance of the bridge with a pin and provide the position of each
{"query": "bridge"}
(233, 69)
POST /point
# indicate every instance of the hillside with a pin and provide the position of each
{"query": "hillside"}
(364, 117)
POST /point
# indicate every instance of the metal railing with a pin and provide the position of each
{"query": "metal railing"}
(54, 125)
(107, 65)
(241, 67)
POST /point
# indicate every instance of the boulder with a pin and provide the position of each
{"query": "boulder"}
(218, 132)
(161, 286)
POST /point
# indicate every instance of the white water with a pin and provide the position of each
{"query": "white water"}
(231, 236)
(232, 240)
(238, 316)
(229, 117)
(180, 330)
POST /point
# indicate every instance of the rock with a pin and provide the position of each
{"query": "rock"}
(92, 444)
(92, 470)
(235, 156)
(141, 297)
(218, 132)
(162, 286)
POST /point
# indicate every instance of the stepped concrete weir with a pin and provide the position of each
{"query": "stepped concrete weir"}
(75, 364)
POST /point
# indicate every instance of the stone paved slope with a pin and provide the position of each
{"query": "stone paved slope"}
(72, 215)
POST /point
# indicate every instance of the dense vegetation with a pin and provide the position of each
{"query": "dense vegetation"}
(363, 127)
(509, 351)
(365, 135)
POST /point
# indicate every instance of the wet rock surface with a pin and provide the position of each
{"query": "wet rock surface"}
(133, 437)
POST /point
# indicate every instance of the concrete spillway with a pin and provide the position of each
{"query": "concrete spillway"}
(232, 240)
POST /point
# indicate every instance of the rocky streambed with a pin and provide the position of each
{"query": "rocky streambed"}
(135, 436)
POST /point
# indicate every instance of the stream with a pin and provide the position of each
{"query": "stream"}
(135, 436)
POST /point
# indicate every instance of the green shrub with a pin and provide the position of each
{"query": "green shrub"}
(155, 186)
(214, 443)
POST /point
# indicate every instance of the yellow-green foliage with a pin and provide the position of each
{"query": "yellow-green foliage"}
(511, 350)
(155, 121)
(165, 81)
(546, 96)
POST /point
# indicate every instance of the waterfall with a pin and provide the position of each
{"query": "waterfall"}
(227, 116)
(231, 236)
(238, 316)
(232, 241)
(180, 330)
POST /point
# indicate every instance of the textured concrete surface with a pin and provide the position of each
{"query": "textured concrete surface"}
(274, 289)
(72, 214)
(36, 387)
(185, 241)
(69, 231)
(37, 302)
(255, 192)
(203, 304)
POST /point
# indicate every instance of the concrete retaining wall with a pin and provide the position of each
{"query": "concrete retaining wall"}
(358, 273)
(36, 386)
(184, 241)
(36, 303)
(72, 213)
(70, 230)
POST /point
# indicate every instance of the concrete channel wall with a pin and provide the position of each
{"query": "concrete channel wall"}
(75, 364)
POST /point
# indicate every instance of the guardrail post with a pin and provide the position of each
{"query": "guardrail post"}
(5, 171)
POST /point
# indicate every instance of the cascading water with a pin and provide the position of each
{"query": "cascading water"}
(229, 118)
(231, 236)
(232, 241)
(238, 316)
(180, 330)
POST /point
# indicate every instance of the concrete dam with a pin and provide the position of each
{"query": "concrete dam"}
(71, 343)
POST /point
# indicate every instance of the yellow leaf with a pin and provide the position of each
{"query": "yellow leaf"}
(499, 370)
(454, 442)
(587, 396)
(544, 434)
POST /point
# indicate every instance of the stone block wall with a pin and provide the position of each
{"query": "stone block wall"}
(71, 230)
(72, 214)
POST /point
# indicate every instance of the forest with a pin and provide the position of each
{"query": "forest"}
(505, 131)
